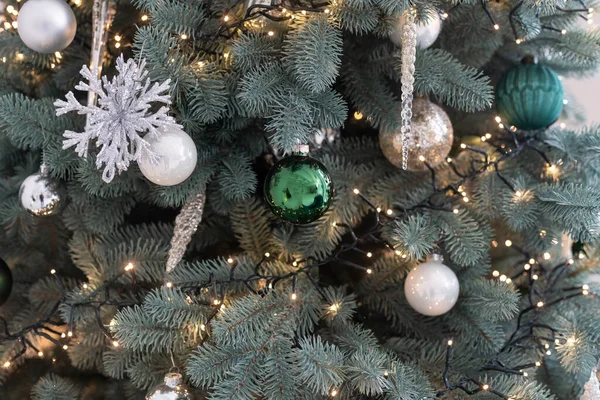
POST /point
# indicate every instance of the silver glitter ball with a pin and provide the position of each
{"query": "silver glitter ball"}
(38, 196)
(47, 26)
(172, 389)
(430, 142)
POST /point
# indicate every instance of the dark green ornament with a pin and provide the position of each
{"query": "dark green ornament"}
(6, 282)
(529, 96)
(298, 189)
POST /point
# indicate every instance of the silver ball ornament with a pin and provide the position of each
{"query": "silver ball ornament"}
(173, 388)
(432, 288)
(427, 32)
(38, 195)
(47, 26)
(178, 157)
(430, 142)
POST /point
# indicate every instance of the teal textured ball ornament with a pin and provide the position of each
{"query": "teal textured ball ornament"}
(529, 96)
(298, 189)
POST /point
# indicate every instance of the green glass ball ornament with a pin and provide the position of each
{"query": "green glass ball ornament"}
(298, 189)
(529, 96)
(6, 282)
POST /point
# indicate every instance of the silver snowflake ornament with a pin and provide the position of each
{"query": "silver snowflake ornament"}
(122, 118)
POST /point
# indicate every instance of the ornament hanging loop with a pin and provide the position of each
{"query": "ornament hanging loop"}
(409, 53)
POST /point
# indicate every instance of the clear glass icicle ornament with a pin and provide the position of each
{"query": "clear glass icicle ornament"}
(409, 52)
(103, 14)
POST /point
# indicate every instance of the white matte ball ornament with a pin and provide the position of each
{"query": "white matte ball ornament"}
(427, 33)
(432, 288)
(178, 157)
(47, 26)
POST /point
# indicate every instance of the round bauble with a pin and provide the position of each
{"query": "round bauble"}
(430, 142)
(298, 189)
(39, 196)
(178, 157)
(432, 288)
(427, 31)
(529, 96)
(6, 282)
(46, 26)
(173, 388)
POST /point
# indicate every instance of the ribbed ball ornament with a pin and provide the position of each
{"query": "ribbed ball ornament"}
(529, 97)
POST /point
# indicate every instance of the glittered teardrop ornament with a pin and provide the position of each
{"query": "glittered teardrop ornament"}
(529, 96)
(430, 141)
(298, 189)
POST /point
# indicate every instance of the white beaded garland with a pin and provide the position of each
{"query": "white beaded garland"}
(178, 157)
(432, 288)
(427, 33)
(47, 26)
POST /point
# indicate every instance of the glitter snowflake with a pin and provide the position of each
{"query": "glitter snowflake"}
(122, 120)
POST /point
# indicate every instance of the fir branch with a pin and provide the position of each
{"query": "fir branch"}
(313, 54)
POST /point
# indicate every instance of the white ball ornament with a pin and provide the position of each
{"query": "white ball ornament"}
(47, 26)
(178, 157)
(427, 32)
(432, 288)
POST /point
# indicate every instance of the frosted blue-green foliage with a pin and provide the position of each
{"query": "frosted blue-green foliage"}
(243, 95)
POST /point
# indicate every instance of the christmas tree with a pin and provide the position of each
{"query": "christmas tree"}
(167, 234)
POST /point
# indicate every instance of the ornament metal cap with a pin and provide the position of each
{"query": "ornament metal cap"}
(44, 169)
(435, 257)
(173, 379)
(301, 148)
(529, 59)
